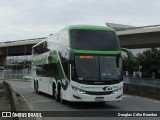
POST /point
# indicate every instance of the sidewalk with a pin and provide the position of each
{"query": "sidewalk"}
(4, 106)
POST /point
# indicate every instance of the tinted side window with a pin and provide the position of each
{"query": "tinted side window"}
(47, 70)
(41, 48)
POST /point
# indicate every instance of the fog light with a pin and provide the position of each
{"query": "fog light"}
(78, 90)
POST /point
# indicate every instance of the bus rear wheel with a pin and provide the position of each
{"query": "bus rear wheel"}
(54, 91)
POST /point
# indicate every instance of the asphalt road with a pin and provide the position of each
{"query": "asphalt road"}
(46, 103)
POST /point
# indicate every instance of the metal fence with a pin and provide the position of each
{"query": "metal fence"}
(14, 74)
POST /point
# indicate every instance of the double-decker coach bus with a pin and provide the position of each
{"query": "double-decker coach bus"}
(80, 63)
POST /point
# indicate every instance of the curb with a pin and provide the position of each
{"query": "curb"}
(141, 90)
(18, 102)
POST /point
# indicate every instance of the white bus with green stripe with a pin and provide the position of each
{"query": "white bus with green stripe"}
(81, 63)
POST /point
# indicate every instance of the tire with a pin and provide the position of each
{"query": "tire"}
(34, 85)
(60, 97)
(37, 87)
(53, 91)
(57, 95)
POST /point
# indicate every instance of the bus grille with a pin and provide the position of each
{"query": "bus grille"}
(99, 93)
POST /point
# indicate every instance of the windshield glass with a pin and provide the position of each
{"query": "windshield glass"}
(110, 67)
(97, 68)
(94, 40)
(87, 68)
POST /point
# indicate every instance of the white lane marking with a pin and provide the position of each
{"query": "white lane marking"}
(144, 98)
(39, 101)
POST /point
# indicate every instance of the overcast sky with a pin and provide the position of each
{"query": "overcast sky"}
(25, 19)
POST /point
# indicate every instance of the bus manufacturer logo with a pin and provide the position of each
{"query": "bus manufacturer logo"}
(107, 88)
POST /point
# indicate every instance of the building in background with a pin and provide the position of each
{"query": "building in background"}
(16, 58)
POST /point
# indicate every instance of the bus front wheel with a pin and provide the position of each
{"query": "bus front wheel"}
(57, 98)
(61, 98)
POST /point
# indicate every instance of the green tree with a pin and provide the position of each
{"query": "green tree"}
(150, 62)
(130, 66)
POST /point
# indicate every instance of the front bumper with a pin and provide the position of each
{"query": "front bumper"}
(85, 97)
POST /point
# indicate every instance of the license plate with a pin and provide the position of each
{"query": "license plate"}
(99, 99)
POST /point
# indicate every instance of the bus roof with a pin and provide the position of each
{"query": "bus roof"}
(82, 27)
(89, 27)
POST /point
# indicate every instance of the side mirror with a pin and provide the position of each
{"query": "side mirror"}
(129, 53)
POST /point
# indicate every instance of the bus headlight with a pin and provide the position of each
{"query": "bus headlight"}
(117, 90)
(78, 90)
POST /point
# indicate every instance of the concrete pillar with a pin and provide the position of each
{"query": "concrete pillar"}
(2, 62)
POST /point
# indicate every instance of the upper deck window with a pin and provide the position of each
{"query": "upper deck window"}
(94, 40)
(41, 48)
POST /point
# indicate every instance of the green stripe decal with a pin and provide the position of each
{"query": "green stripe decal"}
(89, 27)
(96, 52)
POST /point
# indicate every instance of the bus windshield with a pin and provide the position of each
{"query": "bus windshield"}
(98, 68)
(94, 40)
